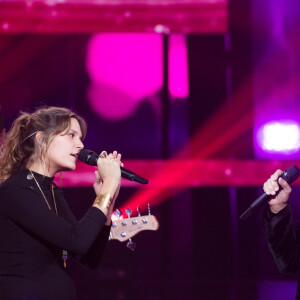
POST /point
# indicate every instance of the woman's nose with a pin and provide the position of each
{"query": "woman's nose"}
(80, 144)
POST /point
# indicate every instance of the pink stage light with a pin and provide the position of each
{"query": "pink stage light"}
(125, 69)
(279, 137)
(178, 66)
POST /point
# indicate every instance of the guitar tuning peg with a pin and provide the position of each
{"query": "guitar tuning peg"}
(131, 245)
(138, 211)
(128, 212)
(118, 213)
(149, 212)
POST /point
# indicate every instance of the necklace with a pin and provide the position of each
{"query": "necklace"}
(64, 252)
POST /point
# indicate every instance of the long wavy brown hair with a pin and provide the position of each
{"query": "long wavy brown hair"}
(20, 147)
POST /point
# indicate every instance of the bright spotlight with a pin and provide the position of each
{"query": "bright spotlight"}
(279, 137)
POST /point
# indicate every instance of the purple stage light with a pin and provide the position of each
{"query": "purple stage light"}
(279, 138)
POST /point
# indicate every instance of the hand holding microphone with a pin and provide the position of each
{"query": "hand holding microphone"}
(108, 173)
(107, 182)
(273, 186)
(279, 190)
(109, 165)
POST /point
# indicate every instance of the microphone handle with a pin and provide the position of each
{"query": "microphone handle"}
(256, 204)
(132, 176)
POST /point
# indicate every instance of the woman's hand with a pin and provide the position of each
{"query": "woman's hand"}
(271, 187)
(108, 175)
(108, 179)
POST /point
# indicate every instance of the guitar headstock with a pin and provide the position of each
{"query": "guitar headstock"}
(125, 229)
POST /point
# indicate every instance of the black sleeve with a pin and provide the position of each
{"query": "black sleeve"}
(94, 255)
(25, 208)
(283, 240)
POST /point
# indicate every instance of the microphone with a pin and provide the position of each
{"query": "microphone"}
(89, 157)
(290, 175)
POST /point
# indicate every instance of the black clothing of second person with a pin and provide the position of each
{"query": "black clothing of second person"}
(32, 238)
(283, 241)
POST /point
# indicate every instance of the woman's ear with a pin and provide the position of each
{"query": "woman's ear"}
(40, 137)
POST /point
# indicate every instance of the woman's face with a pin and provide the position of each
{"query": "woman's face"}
(64, 148)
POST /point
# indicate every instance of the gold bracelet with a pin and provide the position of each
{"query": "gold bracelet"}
(103, 200)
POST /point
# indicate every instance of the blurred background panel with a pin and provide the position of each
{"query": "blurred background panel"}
(200, 97)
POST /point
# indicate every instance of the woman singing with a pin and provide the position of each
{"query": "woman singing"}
(38, 232)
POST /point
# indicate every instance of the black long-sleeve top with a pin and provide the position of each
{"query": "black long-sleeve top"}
(283, 241)
(32, 238)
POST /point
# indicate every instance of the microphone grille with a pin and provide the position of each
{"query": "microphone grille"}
(87, 156)
(291, 174)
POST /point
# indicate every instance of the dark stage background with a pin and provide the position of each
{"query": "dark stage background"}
(201, 250)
